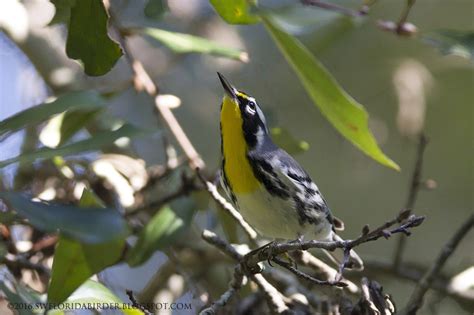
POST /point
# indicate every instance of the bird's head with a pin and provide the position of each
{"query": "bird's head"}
(240, 112)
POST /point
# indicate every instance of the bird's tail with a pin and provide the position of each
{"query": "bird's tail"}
(354, 263)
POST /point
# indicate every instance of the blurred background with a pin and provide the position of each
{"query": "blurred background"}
(405, 84)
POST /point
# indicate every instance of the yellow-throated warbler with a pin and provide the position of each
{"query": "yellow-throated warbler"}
(270, 189)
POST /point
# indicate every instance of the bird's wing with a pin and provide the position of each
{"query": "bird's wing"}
(285, 178)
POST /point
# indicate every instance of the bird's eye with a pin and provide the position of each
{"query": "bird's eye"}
(251, 107)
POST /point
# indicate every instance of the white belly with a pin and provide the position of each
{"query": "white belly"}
(276, 218)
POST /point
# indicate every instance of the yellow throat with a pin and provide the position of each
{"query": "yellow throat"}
(234, 148)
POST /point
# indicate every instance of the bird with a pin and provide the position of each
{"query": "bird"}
(274, 194)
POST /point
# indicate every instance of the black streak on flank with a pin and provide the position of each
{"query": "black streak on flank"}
(272, 183)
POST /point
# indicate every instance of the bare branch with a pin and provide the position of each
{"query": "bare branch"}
(384, 230)
(143, 81)
(226, 206)
(416, 299)
(415, 185)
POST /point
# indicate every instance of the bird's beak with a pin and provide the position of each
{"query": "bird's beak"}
(229, 89)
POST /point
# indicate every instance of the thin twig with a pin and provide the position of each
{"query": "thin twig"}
(12, 262)
(415, 184)
(404, 15)
(274, 298)
(384, 230)
(143, 81)
(226, 206)
(416, 299)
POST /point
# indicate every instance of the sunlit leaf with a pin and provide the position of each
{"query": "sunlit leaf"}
(92, 225)
(160, 232)
(235, 11)
(88, 40)
(39, 113)
(93, 143)
(185, 43)
(97, 294)
(75, 262)
(345, 114)
(452, 42)
(284, 139)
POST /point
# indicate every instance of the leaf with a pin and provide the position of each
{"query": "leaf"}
(165, 226)
(88, 40)
(41, 112)
(91, 144)
(343, 112)
(155, 9)
(63, 11)
(97, 294)
(20, 296)
(452, 42)
(235, 11)
(75, 262)
(284, 139)
(185, 43)
(91, 225)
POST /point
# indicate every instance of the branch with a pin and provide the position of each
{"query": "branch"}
(143, 81)
(416, 299)
(274, 298)
(415, 185)
(12, 262)
(226, 206)
(137, 305)
(384, 230)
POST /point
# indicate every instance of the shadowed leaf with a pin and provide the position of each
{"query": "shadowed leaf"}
(344, 113)
(154, 9)
(89, 225)
(63, 11)
(75, 262)
(159, 233)
(185, 43)
(41, 112)
(88, 40)
(93, 143)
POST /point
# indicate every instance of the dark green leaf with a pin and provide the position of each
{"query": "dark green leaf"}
(75, 262)
(41, 112)
(155, 9)
(91, 144)
(88, 40)
(63, 11)
(165, 227)
(235, 11)
(452, 42)
(185, 43)
(75, 120)
(20, 295)
(284, 139)
(343, 112)
(92, 225)
(95, 293)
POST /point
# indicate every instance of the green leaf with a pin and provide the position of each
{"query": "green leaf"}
(41, 112)
(284, 139)
(75, 262)
(63, 11)
(185, 43)
(88, 40)
(343, 112)
(452, 42)
(93, 143)
(91, 225)
(95, 293)
(165, 227)
(235, 11)
(155, 9)
(20, 295)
